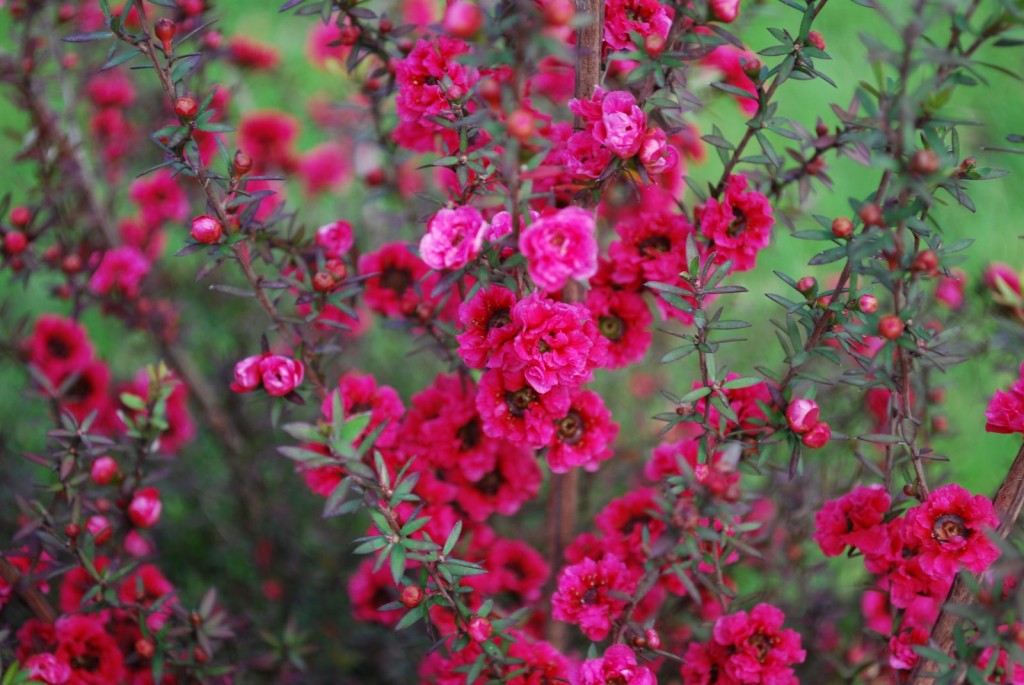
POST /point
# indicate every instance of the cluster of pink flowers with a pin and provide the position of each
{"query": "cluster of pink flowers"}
(746, 648)
(1005, 413)
(915, 556)
(614, 125)
(278, 375)
(739, 225)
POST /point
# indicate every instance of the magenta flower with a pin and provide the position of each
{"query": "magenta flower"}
(624, 318)
(57, 346)
(488, 331)
(746, 648)
(144, 510)
(622, 124)
(160, 198)
(618, 666)
(738, 226)
(853, 520)
(120, 271)
(952, 527)
(591, 595)
(585, 156)
(335, 239)
(584, 436)
(1005, 413)
(646, 17)
(360, 393)
(454, 238)
(558, 344)
(656, 154)
(511, 409)
(560, 246)
(280, 375)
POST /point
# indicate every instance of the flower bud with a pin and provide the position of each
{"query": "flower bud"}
(519, 124)
(242, 163)
(385, 25)
(71, 264)
(99, 527)
(411, 596)
(807, 285)
(145, 648)
(15, 242)
(867, 304)
(815, 38)
(871, 214)
(455, 93)
(348, 35)
(924, 162)
(72, 531)
(103, 470)
(890, 327)
(164, 30)
(206, 229)
(654, 44)
(20, 216)
(280, 375)
(186, 107)
(653, 639)
(559, 12)
(200, 655)
(336, 268)
(144, 510)
(802, 415)
(247, 374)
(463, 19)
(480, 628)
(926, 261)
(323, 281)
(818, 436)
(842, 227)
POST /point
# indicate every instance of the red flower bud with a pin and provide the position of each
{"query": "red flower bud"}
(868, 304)
(654, 44)
(559, 12)
(520, 124)
(455, 92)
(99, 527)
(72, 531)
(145, 648)
(890, 327)
(200, 655)
(924, 162)
(653, 639)
(816, 39)
(871, 214)
(144, 511)
(348, 35)
(164, 30)
(385, 25)
(206, 229)
(818, 436)
(241, 164)
(480, 628)
(411, 596)
(842, 227)
(20, 216)
(71, 264)
(186, 107)
(15, 243)
(103, 470)
(463, 19)
(807, 285)
(926, 261)
(802, 415)
(336, 268)
(323, 281)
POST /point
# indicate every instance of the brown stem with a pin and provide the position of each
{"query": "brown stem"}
(27, 592)
(1008, 502)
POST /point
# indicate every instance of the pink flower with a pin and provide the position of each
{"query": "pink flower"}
(746, 648)
(1005, 413)
(622, 124)
(247, 374)
(144, 510)
(145, 587)
(121, 270)
(368, 590)
(46, 668)
(280, 375)
(652, 245)
(325, 167)
(1001, 277)
(268, 137)
(558, 344)
(584, 436)
(318, 45)
(111, 88)
(252, 54)
(544, 663)
(902, 655)
(618, 666)
(853, 520)
(58, 346)
(802, 415)
(721, 479)
(818, 436)
(511, 409)
(725, 11)
(444, 428)
(160, 198)
(656, 154)
(733, 62)
(360, 393)
(335, 239)
(393, 274)
(488, 331)
(623, 318)
(454, 238)
(591, 595)
(646, 17)
(92, 654)
(738, 226)
(560, 246)
(952, 527)
(514, 479)
(950, 290)
(585, 156)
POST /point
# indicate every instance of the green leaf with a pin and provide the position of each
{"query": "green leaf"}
(453, 537)
(678, 353)
(87, 37)
(828, 256)
(695, 395)
(332, 507)
(737, 383)
(398, 557)
(410, 618)
(881, 438)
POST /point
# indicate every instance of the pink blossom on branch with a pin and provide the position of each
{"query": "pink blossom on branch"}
(454, 238)
(618, 666)
(560, 246)
(591, 594)
(1005, 413)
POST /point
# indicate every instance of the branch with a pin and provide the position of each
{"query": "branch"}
(27, 592)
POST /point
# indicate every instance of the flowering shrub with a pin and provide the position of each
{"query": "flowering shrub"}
(413, 388)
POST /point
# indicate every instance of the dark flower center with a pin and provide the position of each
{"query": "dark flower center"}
(571, 429)
(397, 280)
(490, 484)
(86, 662)
(739, 223)
(499, 319)
(81, 390)
(611, 327)
(469, 435)
(761, 644)
(650, 247)
(949, 527)
(590, 596)
(58, 348)
(520, 400)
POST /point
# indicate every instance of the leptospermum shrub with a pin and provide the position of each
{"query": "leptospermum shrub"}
(528, 199)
